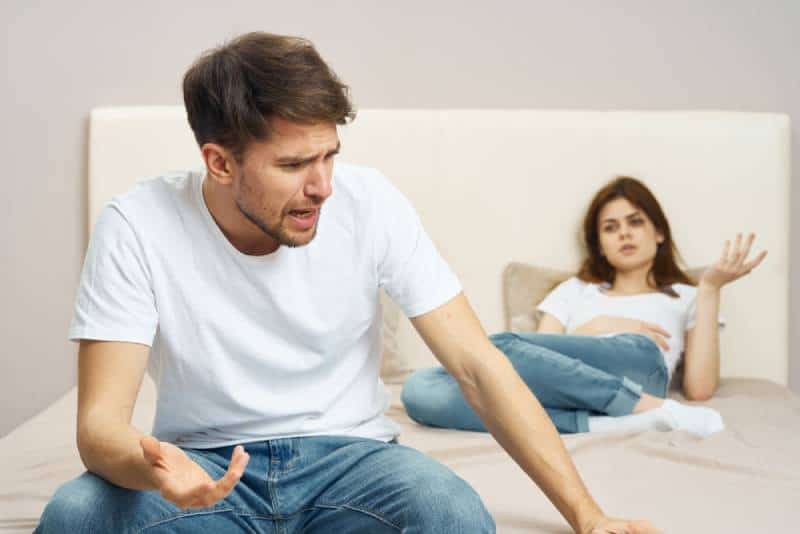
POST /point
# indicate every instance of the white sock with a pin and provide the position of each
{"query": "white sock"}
(637, 422)
(697, 420)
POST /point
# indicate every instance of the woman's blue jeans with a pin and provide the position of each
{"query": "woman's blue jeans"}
(573, 377)
(319, 484)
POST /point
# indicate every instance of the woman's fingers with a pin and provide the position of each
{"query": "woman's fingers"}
(749, 266)
(660, 341)
(746, 251)
(736, 249)
(725, 250)
(657, 329)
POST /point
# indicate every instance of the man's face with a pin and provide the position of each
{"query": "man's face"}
(284, 181)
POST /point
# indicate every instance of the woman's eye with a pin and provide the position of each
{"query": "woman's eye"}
(637, 222)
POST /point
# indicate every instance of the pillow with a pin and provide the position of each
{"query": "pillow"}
(524, 287)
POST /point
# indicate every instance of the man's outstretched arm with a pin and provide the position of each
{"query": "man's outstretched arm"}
(512, 413)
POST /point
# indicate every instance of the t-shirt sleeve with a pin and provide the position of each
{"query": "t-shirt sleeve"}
(560, 300)
(115, 299)
(691, 314)
(409, 267)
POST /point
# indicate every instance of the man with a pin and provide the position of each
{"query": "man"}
(251, 292)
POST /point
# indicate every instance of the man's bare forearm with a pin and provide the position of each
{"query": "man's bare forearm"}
(519, 423)
(112, 451)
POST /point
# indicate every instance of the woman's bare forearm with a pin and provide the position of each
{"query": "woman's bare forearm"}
(702, 363)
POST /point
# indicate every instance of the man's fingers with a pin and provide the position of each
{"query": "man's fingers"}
(222, 487)
(235, 471)
(151, 449)
(206, 494)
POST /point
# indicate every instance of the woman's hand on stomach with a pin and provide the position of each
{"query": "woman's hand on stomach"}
(608, 324)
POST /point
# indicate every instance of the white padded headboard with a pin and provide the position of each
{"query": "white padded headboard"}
(494, 186)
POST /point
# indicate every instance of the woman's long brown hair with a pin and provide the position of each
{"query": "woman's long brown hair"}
(596, 268)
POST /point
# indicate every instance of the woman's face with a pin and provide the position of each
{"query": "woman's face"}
(628, 239)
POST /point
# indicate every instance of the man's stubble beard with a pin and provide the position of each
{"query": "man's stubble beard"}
(278, 234)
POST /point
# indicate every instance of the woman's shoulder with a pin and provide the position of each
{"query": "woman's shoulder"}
(686, 292)
(575, 286)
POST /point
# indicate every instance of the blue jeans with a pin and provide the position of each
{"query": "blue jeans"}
(318, 484)
(572, 377)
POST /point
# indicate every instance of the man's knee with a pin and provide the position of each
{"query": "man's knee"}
(72, 506)
(87, 504)
(443, 502)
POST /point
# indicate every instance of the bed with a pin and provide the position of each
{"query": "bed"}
(502, 187)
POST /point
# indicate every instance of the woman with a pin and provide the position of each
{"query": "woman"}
(610, 338)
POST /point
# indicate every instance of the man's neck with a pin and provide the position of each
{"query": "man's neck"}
(245, 236)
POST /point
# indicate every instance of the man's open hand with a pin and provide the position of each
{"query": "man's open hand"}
(182, 481)
(623, 526)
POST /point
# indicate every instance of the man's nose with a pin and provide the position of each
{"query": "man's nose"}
(319, 182)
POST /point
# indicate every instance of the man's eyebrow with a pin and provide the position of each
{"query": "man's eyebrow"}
(634, 214)
(306, 159)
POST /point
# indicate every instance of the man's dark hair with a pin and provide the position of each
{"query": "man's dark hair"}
(231, 92)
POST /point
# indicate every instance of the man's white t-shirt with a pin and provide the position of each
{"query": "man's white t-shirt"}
(575, 302)
(248, 348)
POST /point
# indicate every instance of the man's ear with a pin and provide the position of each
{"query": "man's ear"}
(220, 163)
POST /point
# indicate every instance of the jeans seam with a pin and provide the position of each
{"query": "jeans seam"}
(370, 513)
(187, 514)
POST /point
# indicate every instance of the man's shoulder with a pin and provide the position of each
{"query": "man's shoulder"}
(361, 185)
(151, 202)
(159, 186)
(356, 176)
(153, 195)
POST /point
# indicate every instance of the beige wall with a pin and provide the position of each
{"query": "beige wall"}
(63, 58)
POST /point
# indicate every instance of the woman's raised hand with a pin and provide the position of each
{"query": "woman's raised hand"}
(733, 263)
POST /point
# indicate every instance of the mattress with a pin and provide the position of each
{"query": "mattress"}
(744, 479)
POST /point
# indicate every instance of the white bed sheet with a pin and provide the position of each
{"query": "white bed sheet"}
(744, 479)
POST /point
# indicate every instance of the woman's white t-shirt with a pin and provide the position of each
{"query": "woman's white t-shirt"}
(575, 302)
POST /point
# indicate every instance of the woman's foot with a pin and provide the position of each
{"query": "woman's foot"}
(697, 420)
(648, 402)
